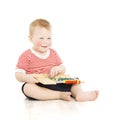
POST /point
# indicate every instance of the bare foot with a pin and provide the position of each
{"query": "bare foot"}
(87, 96)
(65, 96)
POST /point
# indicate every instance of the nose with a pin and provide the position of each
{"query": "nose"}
(45, 41)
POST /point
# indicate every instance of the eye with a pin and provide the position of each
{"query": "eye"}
(49, 38)
(41, 38)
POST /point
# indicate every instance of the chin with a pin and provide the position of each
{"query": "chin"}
(43, 51)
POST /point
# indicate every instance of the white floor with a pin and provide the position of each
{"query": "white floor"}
(15, 106)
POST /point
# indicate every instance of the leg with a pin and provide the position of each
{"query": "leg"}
(41, 93)
(81, 95)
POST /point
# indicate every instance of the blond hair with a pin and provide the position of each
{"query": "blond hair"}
(39, 23)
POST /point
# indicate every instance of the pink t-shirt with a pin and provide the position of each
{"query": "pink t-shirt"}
(31, 63)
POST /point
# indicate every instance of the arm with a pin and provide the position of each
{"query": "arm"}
(23, 77)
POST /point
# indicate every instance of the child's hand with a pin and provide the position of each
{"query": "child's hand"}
(31, 79)
(55, 71)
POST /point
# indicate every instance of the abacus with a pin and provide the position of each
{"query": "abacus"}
(62, 78)
(67, 80)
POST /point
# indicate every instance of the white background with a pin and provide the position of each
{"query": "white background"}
(85, 33)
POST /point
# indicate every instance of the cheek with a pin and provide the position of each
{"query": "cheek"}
(37, 44)
(50, 43)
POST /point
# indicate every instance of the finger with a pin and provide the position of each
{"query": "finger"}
(53, 73)
(36, 81)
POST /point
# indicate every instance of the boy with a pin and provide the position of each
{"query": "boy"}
(42, 59)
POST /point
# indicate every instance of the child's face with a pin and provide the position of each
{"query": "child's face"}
(41, 39)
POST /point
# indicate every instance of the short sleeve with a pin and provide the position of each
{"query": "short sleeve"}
(23, 61)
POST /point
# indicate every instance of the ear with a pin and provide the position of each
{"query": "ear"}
(30, 37)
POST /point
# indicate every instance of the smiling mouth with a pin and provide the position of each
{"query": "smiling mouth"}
(44, 46)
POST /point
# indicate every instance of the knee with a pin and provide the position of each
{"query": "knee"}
(26, 87)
